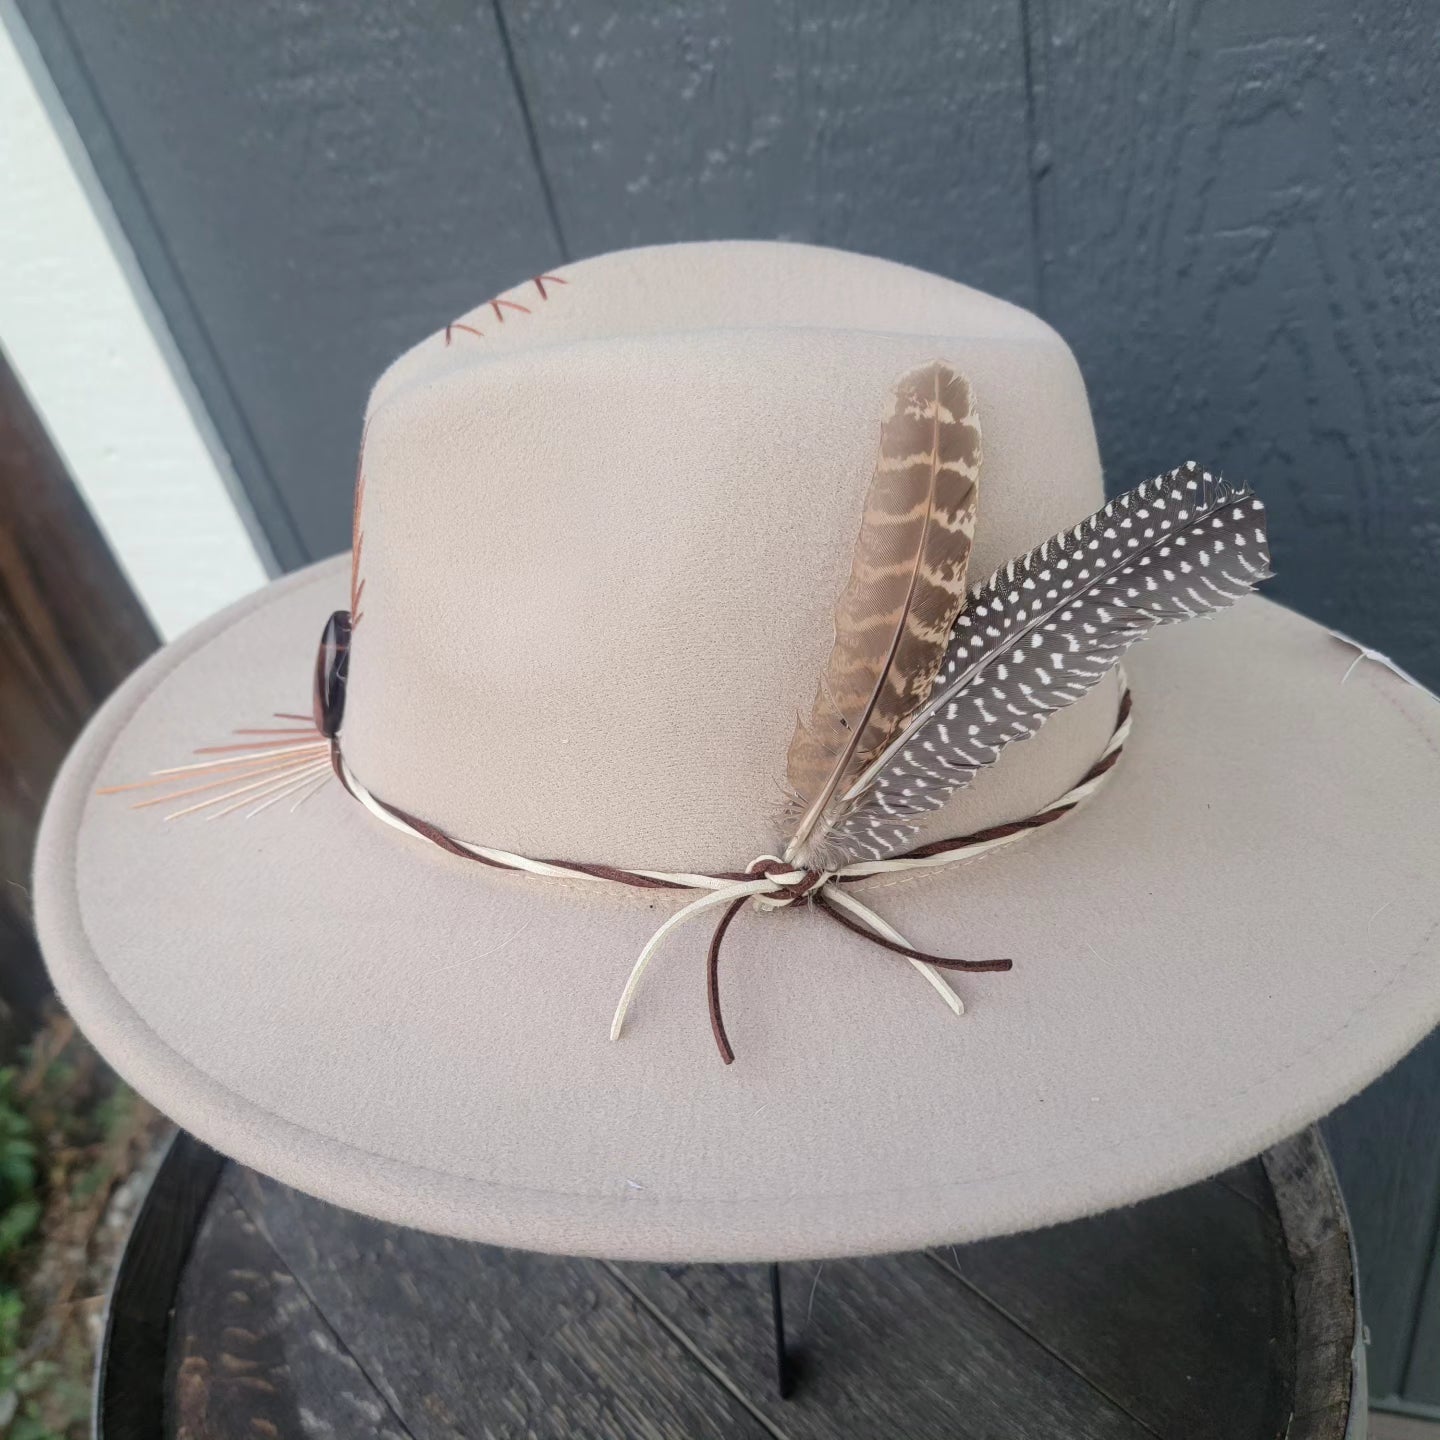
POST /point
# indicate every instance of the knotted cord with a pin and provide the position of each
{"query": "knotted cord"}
(768, 881)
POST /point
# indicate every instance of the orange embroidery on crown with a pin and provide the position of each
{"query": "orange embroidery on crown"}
(499, 305)
(357, 532)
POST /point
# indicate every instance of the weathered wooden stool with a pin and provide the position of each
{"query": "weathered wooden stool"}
(244, 1309)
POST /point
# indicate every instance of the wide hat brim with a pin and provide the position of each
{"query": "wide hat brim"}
(1237, 934)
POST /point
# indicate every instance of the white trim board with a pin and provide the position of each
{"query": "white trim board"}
(78, 330)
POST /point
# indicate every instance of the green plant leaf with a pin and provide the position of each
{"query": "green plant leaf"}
(17, 1224)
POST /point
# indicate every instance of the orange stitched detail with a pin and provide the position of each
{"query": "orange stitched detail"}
(357, 532)
(499, 305)
(456, 325)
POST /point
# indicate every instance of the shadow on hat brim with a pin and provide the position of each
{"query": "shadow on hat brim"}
(1235, 936)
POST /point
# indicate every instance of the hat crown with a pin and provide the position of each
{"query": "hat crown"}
(605, 520)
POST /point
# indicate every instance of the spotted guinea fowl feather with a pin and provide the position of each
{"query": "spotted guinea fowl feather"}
(1045, 629)
(895, 615)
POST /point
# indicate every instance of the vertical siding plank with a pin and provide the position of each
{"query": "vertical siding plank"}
(1237, 213)
(316, 186)
(889, 128)
(1237, 232)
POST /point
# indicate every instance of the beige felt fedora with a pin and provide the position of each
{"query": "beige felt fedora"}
(606, 541)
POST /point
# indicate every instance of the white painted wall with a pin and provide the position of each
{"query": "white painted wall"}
(81, 333)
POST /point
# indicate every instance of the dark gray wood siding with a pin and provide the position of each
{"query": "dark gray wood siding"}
(1230, 210)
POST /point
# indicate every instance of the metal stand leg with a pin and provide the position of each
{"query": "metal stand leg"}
(784, 1375)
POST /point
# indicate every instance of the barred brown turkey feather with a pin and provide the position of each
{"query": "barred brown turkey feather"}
(907, 583)
(1046, 628)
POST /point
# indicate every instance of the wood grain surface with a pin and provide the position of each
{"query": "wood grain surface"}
(1239, 240)
(1317, 1240)
(70, 631)
(892, 129)
(1199, 1314)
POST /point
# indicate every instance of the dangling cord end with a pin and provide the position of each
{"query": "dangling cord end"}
(829, 901)
(712, 981)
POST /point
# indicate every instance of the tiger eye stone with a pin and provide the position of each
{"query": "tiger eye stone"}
(332, 665)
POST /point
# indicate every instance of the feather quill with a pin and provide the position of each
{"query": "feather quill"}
(1046, 628)
(894, 617)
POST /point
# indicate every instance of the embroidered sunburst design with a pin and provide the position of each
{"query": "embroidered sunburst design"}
(264, 768)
